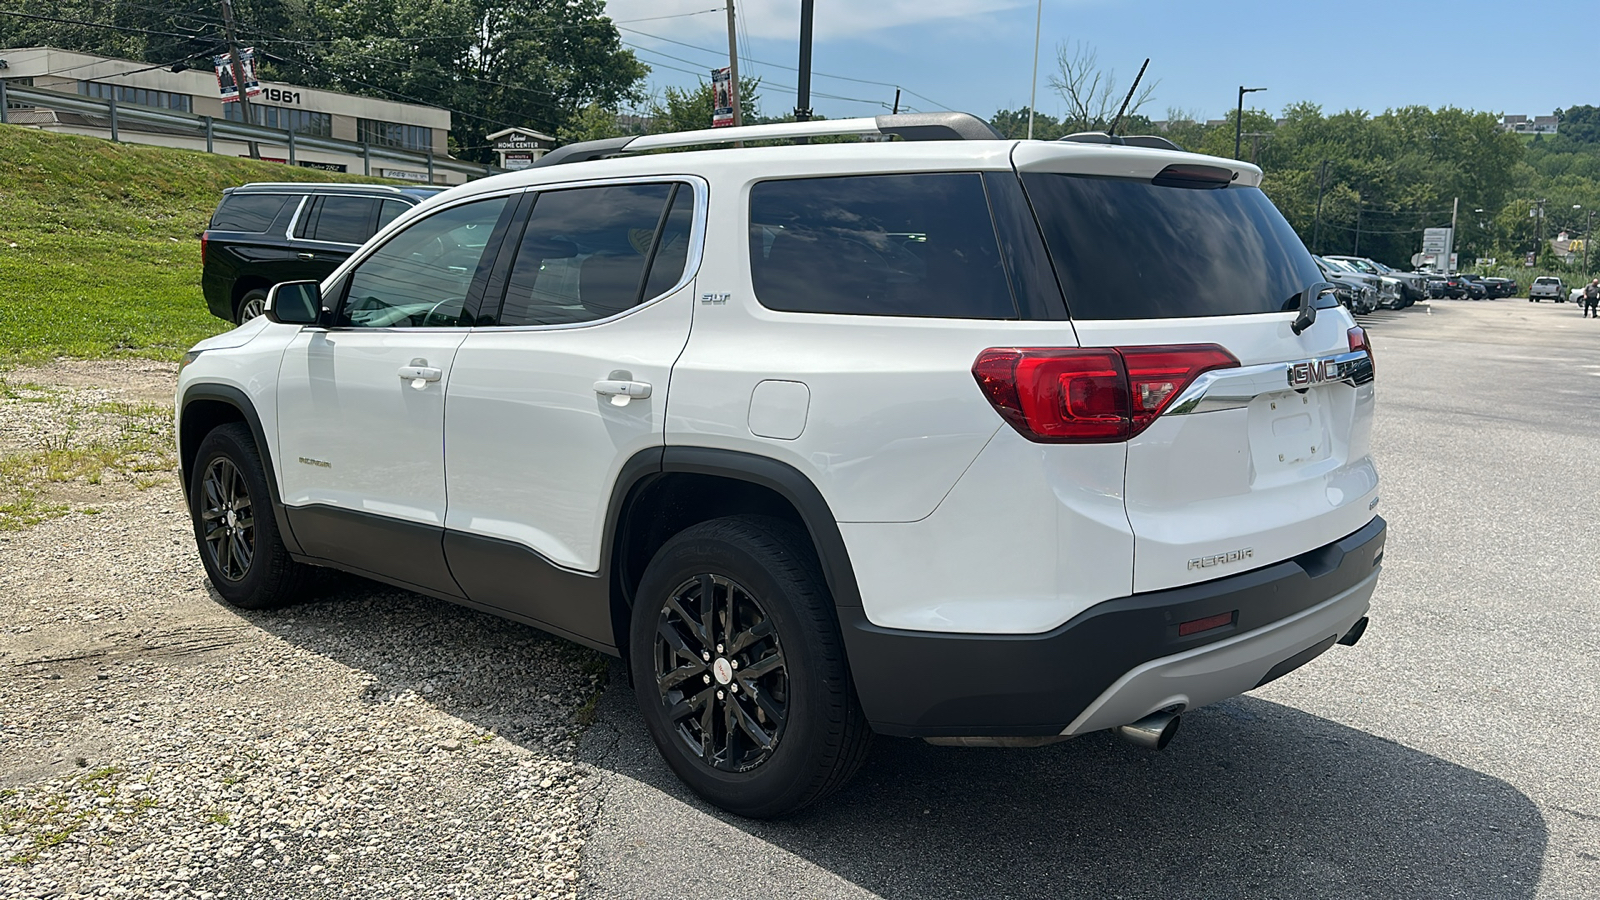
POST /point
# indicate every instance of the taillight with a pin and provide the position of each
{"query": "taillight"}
(204, 239)
(1092, 395)
(1358, 339)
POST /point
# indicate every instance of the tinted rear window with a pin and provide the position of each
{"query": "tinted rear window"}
(1127, 249)
(252, 213)
(345, 220)
(878, 245)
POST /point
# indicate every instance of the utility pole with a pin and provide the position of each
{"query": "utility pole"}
(802, 100)
(1357, 250)
(238, 73)
(1238, 119)
(733, 71)
(1538, 246)
(1322, 183)
(1455, 206)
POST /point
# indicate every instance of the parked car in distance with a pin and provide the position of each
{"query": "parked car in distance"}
(1546, 287)
(1477, 289)
(1459, 287)
(1501, 287)
(265, 233)
(1356, 290)
(1575, 295)
(1435, 286)
(1412, 285)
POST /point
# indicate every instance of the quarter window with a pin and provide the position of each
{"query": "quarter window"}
(422, 276)
(340, 220)
(878, 245)
(249, 213)
(584, 253)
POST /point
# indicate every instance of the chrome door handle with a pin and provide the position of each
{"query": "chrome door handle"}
(420, 375)
(632, 390)
(306, 255)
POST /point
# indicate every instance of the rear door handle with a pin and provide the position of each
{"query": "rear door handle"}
(306, 255)
(633, 390)
(419, 374)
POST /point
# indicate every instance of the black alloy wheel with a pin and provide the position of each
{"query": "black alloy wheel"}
(235, 527)
(739, 668)
(227, 520)
(721, 673)
(252, 304)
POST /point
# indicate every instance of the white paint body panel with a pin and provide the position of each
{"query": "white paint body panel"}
(533, 451)
(246, 358)
(341, 401)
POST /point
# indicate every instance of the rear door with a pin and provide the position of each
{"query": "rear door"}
(1250, 465)
(329, 229)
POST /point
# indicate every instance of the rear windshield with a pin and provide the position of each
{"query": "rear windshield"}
(1547, 281)
(251, 213)
(1127, 249)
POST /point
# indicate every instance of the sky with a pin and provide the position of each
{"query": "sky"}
(976, 55)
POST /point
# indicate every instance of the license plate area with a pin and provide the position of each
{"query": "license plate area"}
(1289, 431)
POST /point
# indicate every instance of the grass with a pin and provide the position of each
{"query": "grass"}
(98, 441)
(51, 820)
(99, 249)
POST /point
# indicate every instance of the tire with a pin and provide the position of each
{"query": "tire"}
(803, 705)
(252, 304)
(244, 556)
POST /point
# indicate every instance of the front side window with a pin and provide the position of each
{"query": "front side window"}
(585, 252)
(421, 277)
(919, 245)
(344, 220)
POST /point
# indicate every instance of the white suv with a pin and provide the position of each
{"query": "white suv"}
(980, 441)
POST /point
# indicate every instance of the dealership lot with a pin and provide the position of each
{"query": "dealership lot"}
(407, 746)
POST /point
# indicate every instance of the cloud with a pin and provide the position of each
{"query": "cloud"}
(835, 19)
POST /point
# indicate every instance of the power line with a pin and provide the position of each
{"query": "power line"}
(785, 87)
(507, 32)
(124, 28)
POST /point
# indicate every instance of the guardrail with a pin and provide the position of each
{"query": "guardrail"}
(213, 129)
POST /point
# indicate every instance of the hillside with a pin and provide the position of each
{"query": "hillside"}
(98, 243)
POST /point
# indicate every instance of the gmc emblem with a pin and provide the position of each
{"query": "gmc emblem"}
(1315, 371)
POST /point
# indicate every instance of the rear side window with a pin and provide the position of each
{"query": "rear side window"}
(250, 213)
(346, 220)
(584, 252)
(878, 245)
(1127, 249)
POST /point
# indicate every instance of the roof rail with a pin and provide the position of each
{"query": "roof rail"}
(948, 126)
(1154, 142)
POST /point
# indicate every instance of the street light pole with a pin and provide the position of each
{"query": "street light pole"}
(1238, 119)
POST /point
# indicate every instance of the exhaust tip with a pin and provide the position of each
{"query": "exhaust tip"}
(1355, 632)
(1153, 732)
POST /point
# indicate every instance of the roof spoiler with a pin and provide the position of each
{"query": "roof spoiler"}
(1151, 141)
(946, 126)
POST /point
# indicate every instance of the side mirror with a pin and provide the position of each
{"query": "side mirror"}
(295, 303)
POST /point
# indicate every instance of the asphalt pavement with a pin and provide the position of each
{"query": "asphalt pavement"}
(1450, 754)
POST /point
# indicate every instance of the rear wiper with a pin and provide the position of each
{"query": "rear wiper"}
(1308, 305)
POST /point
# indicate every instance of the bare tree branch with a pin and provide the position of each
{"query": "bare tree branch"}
(1090, 92)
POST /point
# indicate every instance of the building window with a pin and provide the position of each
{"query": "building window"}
(136, 95)
(299, 121)
(393, 134)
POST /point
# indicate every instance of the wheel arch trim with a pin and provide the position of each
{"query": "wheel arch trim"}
(229, 395)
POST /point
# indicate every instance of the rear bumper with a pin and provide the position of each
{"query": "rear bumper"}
(1119, 660)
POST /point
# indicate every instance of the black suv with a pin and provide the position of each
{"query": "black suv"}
(265, 233)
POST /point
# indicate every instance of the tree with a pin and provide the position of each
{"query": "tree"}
(689, 109)
(1091, 93)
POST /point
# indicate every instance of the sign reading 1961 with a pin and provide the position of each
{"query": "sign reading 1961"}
(279, 95)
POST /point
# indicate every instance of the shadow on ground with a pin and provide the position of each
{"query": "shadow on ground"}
(1253, 799)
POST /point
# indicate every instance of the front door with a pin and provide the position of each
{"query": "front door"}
(548, 402)
(361, 404)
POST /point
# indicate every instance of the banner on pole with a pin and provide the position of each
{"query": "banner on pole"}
(723, 96)
(226, 84)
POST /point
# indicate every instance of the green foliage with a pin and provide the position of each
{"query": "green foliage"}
(98, 248)
(532, 63)
(689, 109)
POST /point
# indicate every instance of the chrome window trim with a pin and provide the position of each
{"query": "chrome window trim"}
(1221, 389)
(305, 200)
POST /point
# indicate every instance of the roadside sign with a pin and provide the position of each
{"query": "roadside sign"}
(225, 81)
(403, 175)
(1416, 260)
(723, 96)
(1529, 263)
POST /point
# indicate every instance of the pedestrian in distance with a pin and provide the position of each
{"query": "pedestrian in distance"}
(1591, 299)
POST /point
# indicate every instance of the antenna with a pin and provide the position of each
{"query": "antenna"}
(1129, 98)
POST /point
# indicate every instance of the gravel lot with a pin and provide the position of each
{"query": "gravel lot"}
(154, 742)
(157, 743)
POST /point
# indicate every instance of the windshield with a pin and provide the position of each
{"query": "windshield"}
(1127, 249)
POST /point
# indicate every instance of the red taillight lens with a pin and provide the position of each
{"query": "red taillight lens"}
(1358, 339)
(204, 239)
(1091, 395)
